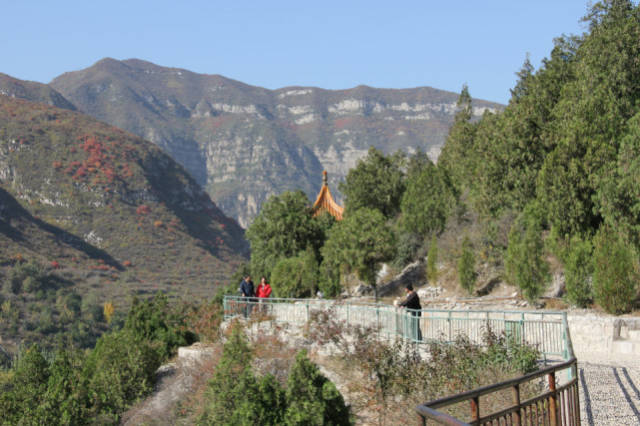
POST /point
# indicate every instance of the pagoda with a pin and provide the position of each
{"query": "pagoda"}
(325, 202)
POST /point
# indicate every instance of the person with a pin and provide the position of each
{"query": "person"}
(246, 288)
(263, 292)
(412, 302)
(264, 289)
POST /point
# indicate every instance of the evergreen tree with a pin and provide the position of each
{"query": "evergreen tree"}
(377, 182)
(427, 201)
(360, 243)
(578, 271)
(524, 262)
(284, 228)
(615, 275)
(432, 260)
(466, 266)
(456, 158)
(296, 276)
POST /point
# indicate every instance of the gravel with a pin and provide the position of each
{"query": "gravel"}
(609, 395)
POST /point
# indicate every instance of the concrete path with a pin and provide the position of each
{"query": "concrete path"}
(609, 395)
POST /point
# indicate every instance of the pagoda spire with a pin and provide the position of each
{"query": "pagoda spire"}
(325, 202)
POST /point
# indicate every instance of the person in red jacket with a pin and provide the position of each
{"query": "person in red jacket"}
(264, 289)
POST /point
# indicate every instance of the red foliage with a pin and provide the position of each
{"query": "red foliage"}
(127, 263)
(143, 209)
(55, 265)
(57, 164)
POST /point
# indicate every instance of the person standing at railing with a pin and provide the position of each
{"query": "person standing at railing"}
(412, 303)
(264, 289)
(247, 290)
(263, 292)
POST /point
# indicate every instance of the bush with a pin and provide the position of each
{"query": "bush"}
(120, 370)
(235, 396)
(466, 267)
(296, 276)
(155, 321)
(615, 275)
(312, 399)
(578, 270)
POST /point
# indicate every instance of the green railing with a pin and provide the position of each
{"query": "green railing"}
(545, 330)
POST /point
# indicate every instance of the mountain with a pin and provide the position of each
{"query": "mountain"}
(32, 91)
(112, 210)
(243, 143)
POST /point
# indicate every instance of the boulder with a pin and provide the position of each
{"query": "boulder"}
(413, 273)
(557, 286)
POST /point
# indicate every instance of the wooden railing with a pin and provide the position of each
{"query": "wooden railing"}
(558, 404)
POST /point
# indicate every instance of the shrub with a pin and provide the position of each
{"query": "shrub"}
(235, 396)
(155, 321)
(312, 399)
(524, 262)
(120, 370)
(614, 276)
(466, 266)
(578, 270)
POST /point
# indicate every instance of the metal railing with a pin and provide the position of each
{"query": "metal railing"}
(548, 331)
(544, 330)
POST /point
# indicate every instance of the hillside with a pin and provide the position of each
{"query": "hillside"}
(243, 143)
(32, 91)
(109, 209)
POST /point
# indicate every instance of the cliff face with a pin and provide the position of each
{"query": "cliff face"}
(244, 143)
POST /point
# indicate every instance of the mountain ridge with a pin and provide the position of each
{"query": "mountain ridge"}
(243, 143)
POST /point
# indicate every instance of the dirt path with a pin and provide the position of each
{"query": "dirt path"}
(176, 381)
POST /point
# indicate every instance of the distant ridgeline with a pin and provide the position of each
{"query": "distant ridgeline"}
(244, 143)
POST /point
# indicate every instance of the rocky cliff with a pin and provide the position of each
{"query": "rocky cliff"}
(243, 143)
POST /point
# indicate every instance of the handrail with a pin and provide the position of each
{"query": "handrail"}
(484, 390)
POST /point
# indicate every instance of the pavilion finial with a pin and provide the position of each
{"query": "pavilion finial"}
(325, 180)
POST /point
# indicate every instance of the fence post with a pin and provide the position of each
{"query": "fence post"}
(475, 409)
(553, 399)
(449, 321)
(522, 340)
(516, 402)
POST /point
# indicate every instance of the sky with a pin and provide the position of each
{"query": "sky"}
(273, 44)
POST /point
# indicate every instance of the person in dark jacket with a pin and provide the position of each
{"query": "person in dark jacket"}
(412, 303)
(248, 293)
(246, 287)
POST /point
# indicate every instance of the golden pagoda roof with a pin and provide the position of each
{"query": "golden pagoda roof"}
(325, 202)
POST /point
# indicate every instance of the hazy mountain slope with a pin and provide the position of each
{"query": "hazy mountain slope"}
(242, 142)
(32, 91)
(97, 197)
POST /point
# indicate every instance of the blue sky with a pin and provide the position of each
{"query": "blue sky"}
(329, 44)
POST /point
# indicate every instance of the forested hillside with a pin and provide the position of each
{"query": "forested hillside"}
(563, 157)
